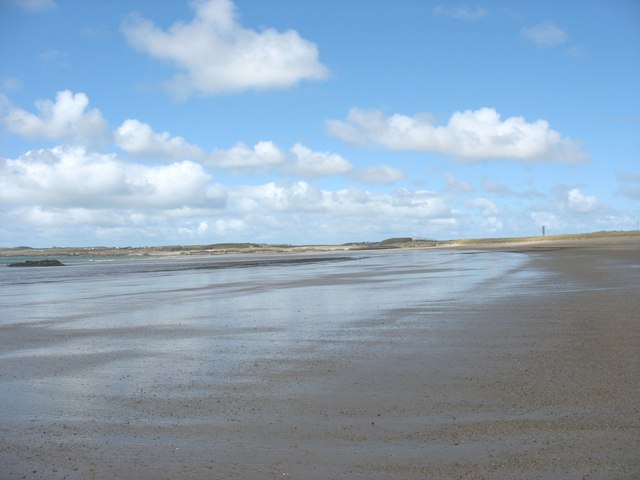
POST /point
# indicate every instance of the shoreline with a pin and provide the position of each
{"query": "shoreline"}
(622, 239)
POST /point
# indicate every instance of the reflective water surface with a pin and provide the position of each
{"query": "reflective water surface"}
(74, 336)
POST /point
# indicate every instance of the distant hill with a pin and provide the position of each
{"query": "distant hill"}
(600, 238)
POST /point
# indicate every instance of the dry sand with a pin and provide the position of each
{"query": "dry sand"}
(540, 385)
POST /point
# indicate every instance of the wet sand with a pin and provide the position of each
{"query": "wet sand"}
(542, 384)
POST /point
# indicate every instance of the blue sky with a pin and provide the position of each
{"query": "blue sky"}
(151, 122)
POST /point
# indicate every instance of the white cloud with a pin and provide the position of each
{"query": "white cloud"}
(298, 212)
(53, 217)
(218, 55)
(486, 206)
(317, 164)
(380, 175)
(101, 196)
(472, 135)
(66, 118)
(300, 160)
(576, 212)
(301, 197)
(262, 155)
(34, 6)
(579, 202)
(226, 226)
(609, 221)
(71, 177)
(139, 139)
(407, 203)
(492, 224)
(549, 220)
(277, 197)
(219, 227)
(545, 34)
(461, 13)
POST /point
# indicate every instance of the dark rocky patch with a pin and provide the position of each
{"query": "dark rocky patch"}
(38, 263)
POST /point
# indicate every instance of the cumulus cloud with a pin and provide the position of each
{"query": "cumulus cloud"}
(492, 224)
(65, 118)
(460, 13)
(471, 135)
(309, 163)
(71, 177)
(301, 197)
(578, 202)
(622, 221)
(300, 161)
(574, 212)
(308, 213)
(274, 197)
(545, 34)
(105, 197)
(221, 227)
(216, 54)
(139, 139)
(262, 155)
(55, 217)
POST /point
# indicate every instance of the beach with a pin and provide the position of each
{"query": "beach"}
(478, 361)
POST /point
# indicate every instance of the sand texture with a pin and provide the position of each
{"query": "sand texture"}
(542, 383)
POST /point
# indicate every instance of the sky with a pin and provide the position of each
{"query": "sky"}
(159, 122)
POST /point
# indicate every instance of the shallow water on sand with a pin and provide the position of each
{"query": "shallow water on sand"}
(73, 335)
(240, 290)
